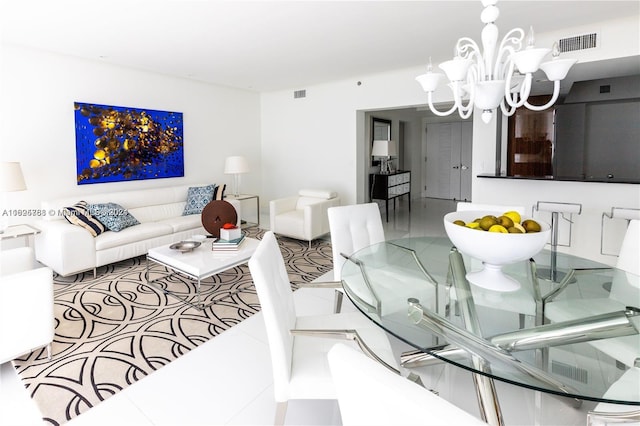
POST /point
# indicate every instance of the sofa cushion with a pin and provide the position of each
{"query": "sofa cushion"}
(113, 216)
(318, 193)
(197, 198)
(158, 212)
(290, 223)
(78, 214)
(141, 232)
(182, 223)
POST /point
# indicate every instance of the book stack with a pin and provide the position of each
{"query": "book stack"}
(227, 245)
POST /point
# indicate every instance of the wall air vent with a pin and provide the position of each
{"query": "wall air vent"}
(570, 371)
(299, 94)
(580, 42)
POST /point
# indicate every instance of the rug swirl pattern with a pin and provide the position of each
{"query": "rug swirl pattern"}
(114, 330)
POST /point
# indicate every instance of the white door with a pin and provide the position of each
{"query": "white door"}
(448, 160)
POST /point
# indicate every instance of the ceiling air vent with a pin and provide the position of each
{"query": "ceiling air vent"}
(299, 94)
(580, 42)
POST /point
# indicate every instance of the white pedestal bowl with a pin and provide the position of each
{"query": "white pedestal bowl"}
(494, 249)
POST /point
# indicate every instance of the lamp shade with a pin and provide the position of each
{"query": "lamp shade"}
(235, 165)
(384, 148)
(380, 148)
(11, 178)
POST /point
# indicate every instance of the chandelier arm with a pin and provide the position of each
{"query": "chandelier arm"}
(501, 65)
(509, 45)
(435, 111)
(468, 49)
(525, 90)
(515, 40)
(554, 97)
(511, 98)
(505, 111)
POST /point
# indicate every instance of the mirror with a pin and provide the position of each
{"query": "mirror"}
(380, 130)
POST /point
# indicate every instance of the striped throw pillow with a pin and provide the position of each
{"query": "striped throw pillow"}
(218, 193)
(78, 214)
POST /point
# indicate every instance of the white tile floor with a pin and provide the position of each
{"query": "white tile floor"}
(227, 381)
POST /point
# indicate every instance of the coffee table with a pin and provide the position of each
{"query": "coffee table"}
(198, 264)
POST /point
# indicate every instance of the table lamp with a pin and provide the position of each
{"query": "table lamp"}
(384, 149)
(236, 165)
(11, 180)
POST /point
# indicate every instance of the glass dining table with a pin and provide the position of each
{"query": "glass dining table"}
(416, 289)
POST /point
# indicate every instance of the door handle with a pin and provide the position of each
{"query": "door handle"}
(464, 167)
(455, 167)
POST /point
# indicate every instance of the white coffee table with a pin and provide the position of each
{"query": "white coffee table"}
(198, 264)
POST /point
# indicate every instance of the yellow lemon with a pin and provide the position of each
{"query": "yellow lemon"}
(498, 228)
(473, 225)
(513, 215)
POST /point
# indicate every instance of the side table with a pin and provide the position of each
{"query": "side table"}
(245, 197)
(17, 231)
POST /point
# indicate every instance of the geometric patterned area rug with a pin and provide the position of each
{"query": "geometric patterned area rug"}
(113, 330)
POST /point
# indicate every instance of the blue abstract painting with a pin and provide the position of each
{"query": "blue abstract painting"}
(121, 143)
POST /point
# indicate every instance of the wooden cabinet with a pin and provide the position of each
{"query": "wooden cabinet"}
(531, 141)
(389, 187)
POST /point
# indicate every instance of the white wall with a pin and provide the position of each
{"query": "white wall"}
(319, 141)
(38, 90)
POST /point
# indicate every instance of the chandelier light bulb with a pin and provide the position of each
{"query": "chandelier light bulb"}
(491, 75)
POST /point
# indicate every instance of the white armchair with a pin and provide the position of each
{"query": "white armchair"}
(26, 304)
(304, 216)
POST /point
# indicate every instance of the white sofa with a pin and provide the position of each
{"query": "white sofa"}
(69, 249)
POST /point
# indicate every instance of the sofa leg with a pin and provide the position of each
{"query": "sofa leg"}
(49, 352)
(95, 273)
(309, 243)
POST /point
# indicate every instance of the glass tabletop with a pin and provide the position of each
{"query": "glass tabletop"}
(416, 289)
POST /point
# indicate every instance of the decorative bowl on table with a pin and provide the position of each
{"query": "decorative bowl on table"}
(495, 249)
(185, 246)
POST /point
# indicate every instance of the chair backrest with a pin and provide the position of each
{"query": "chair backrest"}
(352, 228)
(276, 299)
(313, 196)
(625, 288)
(370, 394)
(629, 257)
(463, 206)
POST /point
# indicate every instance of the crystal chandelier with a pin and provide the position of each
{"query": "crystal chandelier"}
(491, 78)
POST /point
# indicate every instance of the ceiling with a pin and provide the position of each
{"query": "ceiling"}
(274, 45)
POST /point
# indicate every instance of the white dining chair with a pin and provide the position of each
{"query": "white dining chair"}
(626, 387)
(625, 291)
(299, 344)
(369, 394)
(353, 227)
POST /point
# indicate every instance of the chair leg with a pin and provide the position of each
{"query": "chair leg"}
(281, 413)
(337, 303)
